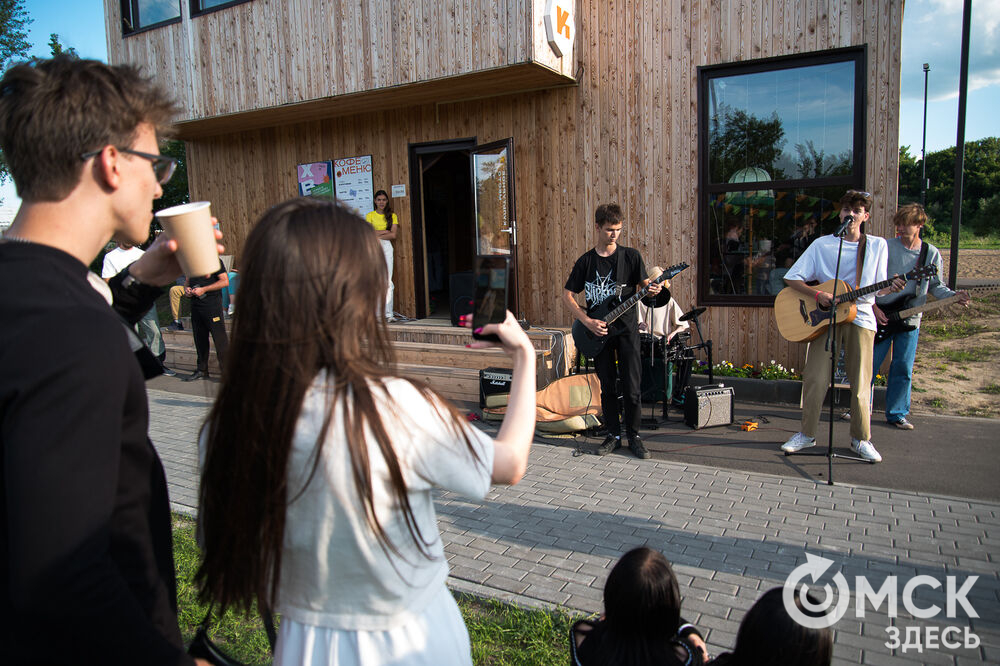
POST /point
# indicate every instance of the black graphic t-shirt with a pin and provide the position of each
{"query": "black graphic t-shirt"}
(597, 277)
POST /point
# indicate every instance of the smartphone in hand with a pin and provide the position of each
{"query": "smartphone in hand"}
(490, 301)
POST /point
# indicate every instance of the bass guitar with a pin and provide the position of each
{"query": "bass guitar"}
(590, 344)
(897, 315)
(801, 318)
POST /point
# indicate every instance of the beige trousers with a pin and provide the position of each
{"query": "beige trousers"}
(176, 292)
(857, 343)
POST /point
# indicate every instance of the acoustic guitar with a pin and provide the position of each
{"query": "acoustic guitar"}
(801, 318)
(897, 315)
(610, 309)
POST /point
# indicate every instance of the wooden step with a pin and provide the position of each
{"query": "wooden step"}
(452, 356)
(456, 384)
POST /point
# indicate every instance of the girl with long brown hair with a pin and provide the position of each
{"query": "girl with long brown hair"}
(319, 460)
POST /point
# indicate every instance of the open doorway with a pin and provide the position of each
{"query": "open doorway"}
(442, 187)
(463, 204)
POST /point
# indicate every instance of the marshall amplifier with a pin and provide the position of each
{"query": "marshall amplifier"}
(707, 406)
(493, 381)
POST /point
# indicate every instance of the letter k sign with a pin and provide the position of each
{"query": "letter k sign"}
(560, 30)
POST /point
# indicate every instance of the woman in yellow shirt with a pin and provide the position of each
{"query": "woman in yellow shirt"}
(385, 223)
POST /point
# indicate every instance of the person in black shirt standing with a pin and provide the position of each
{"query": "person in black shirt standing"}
(85, 536)
(611, 270)
(206, 317)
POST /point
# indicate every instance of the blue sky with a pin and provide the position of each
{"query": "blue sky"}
(931, 34)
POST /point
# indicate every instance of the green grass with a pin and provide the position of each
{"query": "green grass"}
(937, 403)
(501, 635)
(952, 330)
(508, 635)
(993, 389)
(962, 378)
(975, 354)
(241, 637)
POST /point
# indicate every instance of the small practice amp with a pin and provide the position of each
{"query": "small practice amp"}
(494, 381)
(707, 406)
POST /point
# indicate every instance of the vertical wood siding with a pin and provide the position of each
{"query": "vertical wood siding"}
(627, 133)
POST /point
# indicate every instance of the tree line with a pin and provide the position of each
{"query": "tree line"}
(980, 186)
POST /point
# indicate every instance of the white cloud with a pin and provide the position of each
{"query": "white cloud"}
(932, 33)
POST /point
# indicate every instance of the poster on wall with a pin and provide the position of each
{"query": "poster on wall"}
(316, 180)
(353, 183)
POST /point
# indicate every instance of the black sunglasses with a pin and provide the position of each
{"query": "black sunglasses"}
(163, 166)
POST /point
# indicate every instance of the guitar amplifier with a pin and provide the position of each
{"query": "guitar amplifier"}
(707, 406)
(493, 381)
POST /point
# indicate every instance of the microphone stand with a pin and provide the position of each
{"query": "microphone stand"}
(831, 346)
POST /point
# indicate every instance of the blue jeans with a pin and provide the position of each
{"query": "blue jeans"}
(229, 293)
(897, 391)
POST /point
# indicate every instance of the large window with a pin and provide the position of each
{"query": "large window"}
(780, 142)
(141, 14)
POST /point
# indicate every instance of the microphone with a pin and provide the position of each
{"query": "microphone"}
(842, 229)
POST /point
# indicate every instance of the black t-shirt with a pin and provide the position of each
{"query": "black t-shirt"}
(597, 277)
(210, 300)
(85, 540)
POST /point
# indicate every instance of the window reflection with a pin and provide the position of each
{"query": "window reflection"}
(777, 151)
(756, 236)
(793, 123)
(138, 14)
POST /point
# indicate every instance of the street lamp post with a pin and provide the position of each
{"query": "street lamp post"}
(923, 148)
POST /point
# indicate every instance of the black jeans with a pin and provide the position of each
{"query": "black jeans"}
(203, 321)
(624, 349)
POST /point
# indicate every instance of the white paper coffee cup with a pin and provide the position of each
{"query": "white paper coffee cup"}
(190, 225)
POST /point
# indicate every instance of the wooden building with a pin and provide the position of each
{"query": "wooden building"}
(726, 129)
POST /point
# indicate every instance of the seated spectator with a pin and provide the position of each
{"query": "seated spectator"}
(769, 635)
(641, 624)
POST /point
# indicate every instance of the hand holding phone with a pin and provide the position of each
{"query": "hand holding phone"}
(490, 300)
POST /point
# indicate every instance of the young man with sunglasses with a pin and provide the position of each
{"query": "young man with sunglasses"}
(819, 264)
(85, 531)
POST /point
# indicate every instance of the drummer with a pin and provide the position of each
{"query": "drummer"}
(663, 320)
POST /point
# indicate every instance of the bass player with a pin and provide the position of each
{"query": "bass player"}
(906, 252)
(610, 271)
(863, 261)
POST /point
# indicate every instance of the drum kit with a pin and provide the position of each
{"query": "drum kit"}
(678, 351)
(678, 348)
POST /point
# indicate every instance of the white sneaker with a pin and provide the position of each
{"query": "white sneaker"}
(797, 443)
(865, 450)
(231, 308)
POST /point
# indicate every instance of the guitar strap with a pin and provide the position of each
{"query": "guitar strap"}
(862, 246)
(619, 271)
(922, 260)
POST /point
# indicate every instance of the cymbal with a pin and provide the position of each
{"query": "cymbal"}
(693, 314)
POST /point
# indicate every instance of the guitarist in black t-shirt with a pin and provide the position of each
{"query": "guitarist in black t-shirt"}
(611, 271)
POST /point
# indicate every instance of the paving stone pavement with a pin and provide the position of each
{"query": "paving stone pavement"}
(550, 541)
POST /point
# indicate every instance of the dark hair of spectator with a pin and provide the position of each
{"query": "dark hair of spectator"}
(768, 635)
(54, 111)
(642, 606)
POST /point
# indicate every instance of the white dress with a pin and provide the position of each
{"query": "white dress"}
(343, 599)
